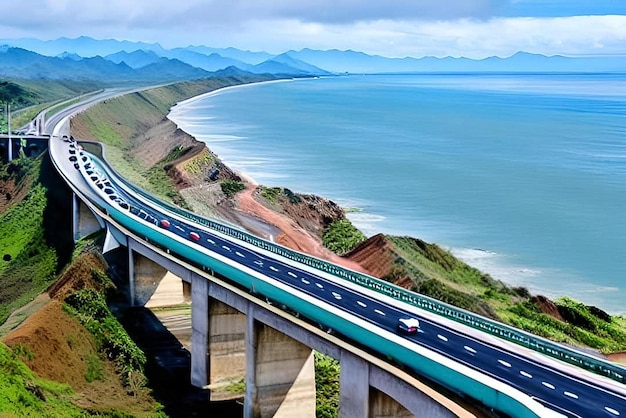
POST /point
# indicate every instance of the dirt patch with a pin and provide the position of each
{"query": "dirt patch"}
(292, 233)
(57, 347)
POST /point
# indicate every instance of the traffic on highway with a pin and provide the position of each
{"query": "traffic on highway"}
(559, 391)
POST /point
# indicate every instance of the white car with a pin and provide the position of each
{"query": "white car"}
(408, 325)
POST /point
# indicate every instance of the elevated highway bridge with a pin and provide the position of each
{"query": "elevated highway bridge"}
(281, 293)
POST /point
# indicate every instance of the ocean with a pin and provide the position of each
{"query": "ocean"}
(520, 175)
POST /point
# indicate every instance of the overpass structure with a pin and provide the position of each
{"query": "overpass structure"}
(265, 303)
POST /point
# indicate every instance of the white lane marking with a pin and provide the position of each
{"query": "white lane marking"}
(570, 394)
(361, 304)
(226, 248)
(379, 312)
(504, 363)
(336, 295)
(179, 228)
(528, 375)
(548, 385)
(273, 268)
(239, 254)
(441, 337)
(305, 281)
(292, 275)
(319, 285)
(612, 411)
(470, 349)
(258, 262)
(210, 241)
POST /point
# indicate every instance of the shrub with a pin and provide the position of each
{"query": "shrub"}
(341, 236)
(231, 187)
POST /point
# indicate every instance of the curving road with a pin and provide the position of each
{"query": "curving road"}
(569, 395)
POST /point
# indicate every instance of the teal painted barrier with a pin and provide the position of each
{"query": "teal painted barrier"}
(541, 345)
(424, 365)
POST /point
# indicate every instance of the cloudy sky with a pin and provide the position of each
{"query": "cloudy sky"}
(393, 28)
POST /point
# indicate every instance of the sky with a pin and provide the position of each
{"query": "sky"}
(391, 28)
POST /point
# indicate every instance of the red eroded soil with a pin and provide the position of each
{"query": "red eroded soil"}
(292, 235)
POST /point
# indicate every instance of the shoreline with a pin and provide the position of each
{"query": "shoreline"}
(500, 264)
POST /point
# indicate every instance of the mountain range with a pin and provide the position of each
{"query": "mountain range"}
(117, 61)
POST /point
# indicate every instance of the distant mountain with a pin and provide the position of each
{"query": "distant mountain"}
(83, 46)
(357, 62)
(135, 59)
(248, 57)
(20, 63)
(300, 67)
(305, 62)
(70, 55)
(210, 62)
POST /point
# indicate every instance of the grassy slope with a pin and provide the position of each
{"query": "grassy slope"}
(120, 122)
(25, 394)
(32, 241)
(437, 273)
(29, 97)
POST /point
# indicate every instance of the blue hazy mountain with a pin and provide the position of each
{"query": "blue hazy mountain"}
(210, 62)
(135, 59)
(248, 57)
(309, 61)
(83, 46)
(24, 64)
(286, 64)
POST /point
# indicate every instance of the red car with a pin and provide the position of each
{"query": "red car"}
(194, 236)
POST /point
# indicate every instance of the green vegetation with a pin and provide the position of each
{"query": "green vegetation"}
(435, 272)
(271, 193)
(238, 387)
(30, 97)
(231, 187)
(25, 394)
(341, 236)
(327, 386)
(90, 307)
(95, 368)
(28, 262)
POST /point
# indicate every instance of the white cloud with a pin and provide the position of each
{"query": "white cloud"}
(396, 28)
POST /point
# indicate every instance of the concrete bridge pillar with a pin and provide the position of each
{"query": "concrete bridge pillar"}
(84, 222)
(382, 405)
(145, 277)
(353, 386)
(199, 331)
(280, 374)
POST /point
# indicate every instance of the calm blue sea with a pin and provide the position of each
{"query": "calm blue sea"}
(522, 176)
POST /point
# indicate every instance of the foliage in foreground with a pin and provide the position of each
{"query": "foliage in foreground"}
(25, 394)
(327, 386)
(28, 263)
(341, 236)
(91, 309)
(231, 187)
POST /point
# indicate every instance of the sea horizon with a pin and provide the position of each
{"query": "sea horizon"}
(474, 176)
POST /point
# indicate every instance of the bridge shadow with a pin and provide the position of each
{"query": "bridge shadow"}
(168, 367)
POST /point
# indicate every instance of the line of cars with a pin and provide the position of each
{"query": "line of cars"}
(407, 325)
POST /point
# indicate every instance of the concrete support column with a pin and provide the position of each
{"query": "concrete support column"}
(84, 221)
(131, 274)
(384, 406)
(353, 386)
(75, 217)
(227, 349)
(283, 382)
(186, 292)
(199, 331)
(147, 275)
